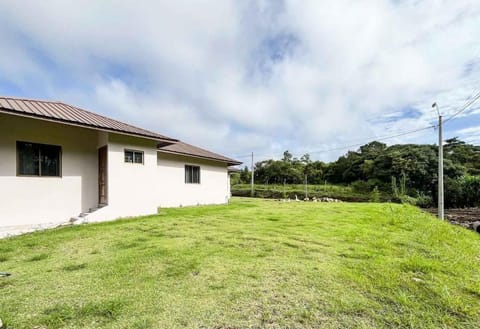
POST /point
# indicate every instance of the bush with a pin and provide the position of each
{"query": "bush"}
(375, 195)
(278, 194)
(453, 193)
(471, 190)
(424, 201)
(406, 199)
(361, 186)
(382, 186)
(462, 192)
(235, 179)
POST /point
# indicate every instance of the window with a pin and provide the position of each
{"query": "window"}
(132, 156)
(192, 174)
(38, 159)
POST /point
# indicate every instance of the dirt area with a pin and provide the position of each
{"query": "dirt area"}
(463, 217)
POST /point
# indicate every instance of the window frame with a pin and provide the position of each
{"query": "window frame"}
(133, 156)
(39, 145)
(192, 180)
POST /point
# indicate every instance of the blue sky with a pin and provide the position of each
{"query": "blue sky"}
(262, 76)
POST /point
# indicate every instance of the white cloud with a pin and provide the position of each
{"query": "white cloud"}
(470, 131)
(241, 76)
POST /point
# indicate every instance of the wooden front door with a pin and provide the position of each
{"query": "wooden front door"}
(102, 176)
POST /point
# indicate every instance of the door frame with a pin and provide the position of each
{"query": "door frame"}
(103, 156)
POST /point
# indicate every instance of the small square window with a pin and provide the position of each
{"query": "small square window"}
(192, 174)
(132, 156)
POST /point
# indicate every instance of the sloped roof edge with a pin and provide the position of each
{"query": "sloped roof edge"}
(64, 113)
(183, 148)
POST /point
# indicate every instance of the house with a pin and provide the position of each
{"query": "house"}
(59, 162)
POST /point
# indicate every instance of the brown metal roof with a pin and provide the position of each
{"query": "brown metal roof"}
(197, 152)
(61, 112)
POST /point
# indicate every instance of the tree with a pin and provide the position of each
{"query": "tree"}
(287, 156)
(245, 175)
(305, 158)
(373, 149)
(374, 164)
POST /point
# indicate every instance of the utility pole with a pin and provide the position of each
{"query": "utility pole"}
(441, 213)
(306, 186)
(252, 181)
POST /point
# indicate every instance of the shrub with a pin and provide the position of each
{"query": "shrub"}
(375, 195)
(382, 186)
(361, 186)
(462, 192)
(471, 190)
(424, 201)
(408, 200)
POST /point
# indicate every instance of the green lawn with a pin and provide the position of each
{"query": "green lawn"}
(251, 264)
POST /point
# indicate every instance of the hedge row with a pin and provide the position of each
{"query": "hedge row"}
(271, 194)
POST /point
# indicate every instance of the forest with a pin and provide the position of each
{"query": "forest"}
(402, 172)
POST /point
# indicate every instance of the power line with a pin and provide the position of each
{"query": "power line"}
(469, 103)
(384, 137)
(464, 107)
(471, 100)
(359, 140)
(376, 138)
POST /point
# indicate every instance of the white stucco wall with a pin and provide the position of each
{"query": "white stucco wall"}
(37, 200)
(133, 189)
(131, 186)
(139, 189)
(174, 192)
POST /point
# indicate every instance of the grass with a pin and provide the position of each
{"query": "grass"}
(251, 264)
(341, 192)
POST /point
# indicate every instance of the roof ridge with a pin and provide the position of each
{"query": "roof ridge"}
(30, 99)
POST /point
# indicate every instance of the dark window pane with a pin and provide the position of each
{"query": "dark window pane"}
(50, 160)
(28, 158)
(187, 174)
(196, 174)
(138, 157)
(129, 156)
(192, 174)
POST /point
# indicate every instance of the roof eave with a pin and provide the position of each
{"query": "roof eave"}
(229, 162)
(66, 122)
(234, 170)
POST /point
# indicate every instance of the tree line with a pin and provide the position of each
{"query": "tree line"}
(403, 171)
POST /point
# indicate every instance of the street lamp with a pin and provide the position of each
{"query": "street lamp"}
(441, 213)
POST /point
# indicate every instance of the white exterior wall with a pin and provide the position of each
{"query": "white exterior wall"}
(174, 192)
(39, 200)
(133, 189)
(139, 189)
(131, 186)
